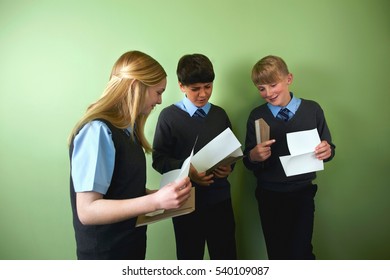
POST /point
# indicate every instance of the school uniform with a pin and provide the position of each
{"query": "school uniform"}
(107, 160)
(286, 204)
(213, 220)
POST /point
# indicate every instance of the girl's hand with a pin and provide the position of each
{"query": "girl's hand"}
(174, 194)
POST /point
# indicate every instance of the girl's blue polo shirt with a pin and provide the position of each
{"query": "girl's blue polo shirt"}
(93, 158)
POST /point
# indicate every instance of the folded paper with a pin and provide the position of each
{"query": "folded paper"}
(302, 158)
(224, 149)
(168, 177)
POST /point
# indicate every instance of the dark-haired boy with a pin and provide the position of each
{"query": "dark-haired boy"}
(179, 125)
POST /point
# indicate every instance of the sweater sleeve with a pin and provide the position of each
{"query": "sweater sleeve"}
(324, 132)
(163, 145)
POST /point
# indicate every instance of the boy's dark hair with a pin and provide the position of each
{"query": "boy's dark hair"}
(195, 68)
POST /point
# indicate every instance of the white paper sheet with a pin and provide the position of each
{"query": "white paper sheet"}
(302, 158)
(221, 147)
(177, 174)
(171, 176)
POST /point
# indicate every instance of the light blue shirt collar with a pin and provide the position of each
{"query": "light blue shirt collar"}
(128, 131)
(186, 105)
(293, 105)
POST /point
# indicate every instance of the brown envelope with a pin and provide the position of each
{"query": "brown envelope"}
(186, 208)
(226, 161)
(262, 131)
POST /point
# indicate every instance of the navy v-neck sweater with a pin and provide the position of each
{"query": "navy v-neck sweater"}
(270, 174)
(174, 138)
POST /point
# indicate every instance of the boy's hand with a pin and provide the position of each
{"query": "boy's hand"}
(261, 151)
(323, 150)
(222, 171)
(200, 178)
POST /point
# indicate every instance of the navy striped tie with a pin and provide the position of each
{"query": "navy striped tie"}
(283, 114)
(199, 113)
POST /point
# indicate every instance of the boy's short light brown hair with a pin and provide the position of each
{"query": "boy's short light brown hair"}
(268, 70)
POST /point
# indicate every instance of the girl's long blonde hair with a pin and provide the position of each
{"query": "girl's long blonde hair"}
(124, 97)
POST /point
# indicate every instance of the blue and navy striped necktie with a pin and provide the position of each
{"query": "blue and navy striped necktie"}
(283, 114)
(199, 113)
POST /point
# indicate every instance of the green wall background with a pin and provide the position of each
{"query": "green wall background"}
(55, 59)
